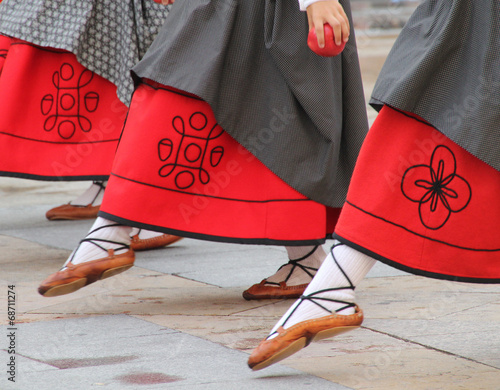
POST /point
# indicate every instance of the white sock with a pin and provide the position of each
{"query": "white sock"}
(102, 229)
(145, 234)
(304, 261)
(92, 195)
(331, 275)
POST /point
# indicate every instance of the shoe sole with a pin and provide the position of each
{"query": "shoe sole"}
(69, 288)
(300, 344)
(64, 289)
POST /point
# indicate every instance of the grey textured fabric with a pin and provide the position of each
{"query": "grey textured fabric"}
(445, 67)
(107, 36)
(302, 115)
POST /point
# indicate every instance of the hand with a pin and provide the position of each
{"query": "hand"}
(331, 12)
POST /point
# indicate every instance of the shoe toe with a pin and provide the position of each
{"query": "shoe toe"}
(274, 350)
(71, 212)
(300, 335)
(160, 241)
(62, 289)
(74, 277)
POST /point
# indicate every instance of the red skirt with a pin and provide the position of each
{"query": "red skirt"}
(58, 120)
(420, 203)
(177, 171)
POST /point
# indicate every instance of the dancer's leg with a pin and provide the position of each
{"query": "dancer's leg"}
(292, 278)
(85, 206)
(104, 252)
(327, 308)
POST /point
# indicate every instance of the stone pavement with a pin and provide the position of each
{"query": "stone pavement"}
(177, 320)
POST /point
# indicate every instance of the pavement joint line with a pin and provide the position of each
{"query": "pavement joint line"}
(429, 347)
(192, 280)
(263, 305)
(183, 315)
(37, 360)
(470, 308)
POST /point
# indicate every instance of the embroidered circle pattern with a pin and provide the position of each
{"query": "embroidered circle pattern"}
(69, 103)
(193, 151)
(437, 188)
(108, 36)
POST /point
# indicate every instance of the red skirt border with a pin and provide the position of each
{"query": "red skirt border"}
(67, 127)
(177, 171)
(420, 203)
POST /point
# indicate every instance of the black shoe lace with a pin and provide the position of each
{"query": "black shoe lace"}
(314, 298)
(95, 241)
(296, 264)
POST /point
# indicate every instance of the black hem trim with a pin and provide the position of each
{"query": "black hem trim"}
(58, 142)
(411, 270)
(208, 237)
(418, 234)
(209, 196)
(54, 178)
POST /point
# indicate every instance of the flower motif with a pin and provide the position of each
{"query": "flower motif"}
(437, 188)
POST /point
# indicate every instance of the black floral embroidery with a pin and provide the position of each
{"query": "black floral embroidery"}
(188, 158)
(67, 106)
(437, 188)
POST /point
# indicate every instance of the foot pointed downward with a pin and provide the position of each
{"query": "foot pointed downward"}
(104, 252)
(291, 340)
(73, 277)
(292, 278)
(86, 206)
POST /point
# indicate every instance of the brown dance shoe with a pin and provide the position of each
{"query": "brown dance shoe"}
(280, 290)
(72, 212)
(73, 277)
(139, 244)
(300, 335)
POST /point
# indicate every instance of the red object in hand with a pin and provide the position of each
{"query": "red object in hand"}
(331, 49)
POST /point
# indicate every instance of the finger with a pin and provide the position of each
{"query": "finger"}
(346, 27)
(320, 34)
(337, 30)
(340, 26)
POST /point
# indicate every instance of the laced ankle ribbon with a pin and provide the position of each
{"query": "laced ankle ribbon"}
(101, 186)
(95, 241)
(313, 298)
(295, 264)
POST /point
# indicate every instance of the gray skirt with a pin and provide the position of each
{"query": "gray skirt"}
(107, 36)
(445, 67)
(301, 115)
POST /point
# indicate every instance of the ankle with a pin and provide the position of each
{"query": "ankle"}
(92, 196)
(103, 236)
(299, 269)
